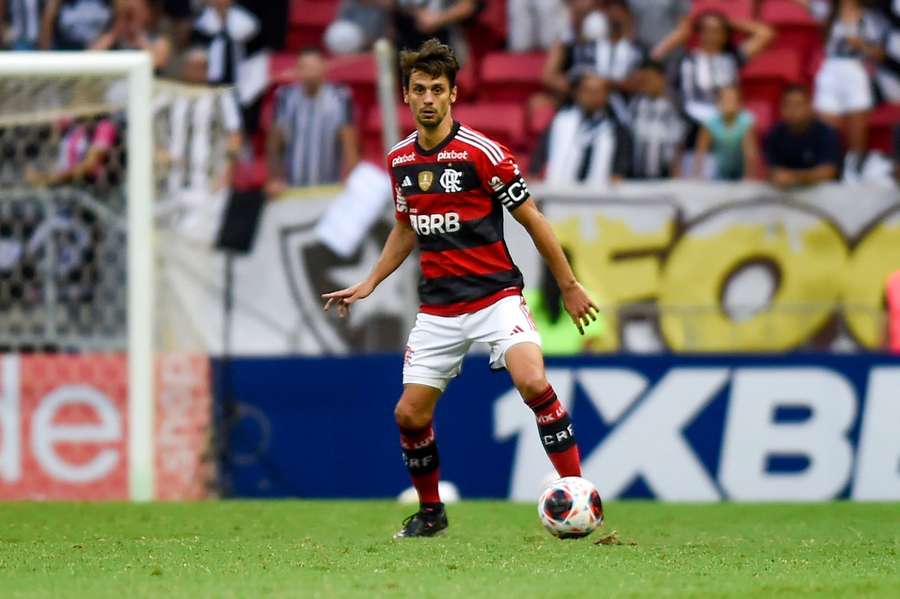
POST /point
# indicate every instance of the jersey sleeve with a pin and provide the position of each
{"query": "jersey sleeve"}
(503, 178)
(401, 212)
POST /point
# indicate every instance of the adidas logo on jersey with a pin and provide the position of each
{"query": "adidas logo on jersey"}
(453, 155)
(406, 182)
(403, 159)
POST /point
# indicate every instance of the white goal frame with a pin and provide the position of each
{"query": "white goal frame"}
(137, 68)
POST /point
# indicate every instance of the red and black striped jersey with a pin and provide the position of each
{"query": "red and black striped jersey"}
(453, 196)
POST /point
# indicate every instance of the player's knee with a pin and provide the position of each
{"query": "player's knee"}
(409, 416)
(532, 383)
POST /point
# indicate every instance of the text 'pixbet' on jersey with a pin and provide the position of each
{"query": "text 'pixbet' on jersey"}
(453, 196)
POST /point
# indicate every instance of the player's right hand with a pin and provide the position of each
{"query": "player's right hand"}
(345, 298)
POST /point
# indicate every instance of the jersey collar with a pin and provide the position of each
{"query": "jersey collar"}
(453, 131)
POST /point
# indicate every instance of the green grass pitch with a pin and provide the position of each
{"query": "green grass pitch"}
(492, 549)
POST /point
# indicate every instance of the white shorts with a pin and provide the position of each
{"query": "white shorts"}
(437, 344)
(843, 86)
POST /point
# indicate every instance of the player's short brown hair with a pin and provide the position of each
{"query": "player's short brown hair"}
(432, 58)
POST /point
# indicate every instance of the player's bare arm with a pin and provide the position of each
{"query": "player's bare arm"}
(578, 304)
(400, 243)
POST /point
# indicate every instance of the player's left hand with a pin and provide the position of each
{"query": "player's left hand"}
(580, 306)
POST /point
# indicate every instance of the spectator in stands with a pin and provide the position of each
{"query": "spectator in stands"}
(586, 25)
(843, 95)
(801, 149)
(534, 24)
(225, 29)
(312, 141)
(716, 62)
(191, 122)
(614, 57)
(85, 144)
(416, 21)
(655, 19)
(231, 35)
(73, 24)
(585, 144)
(358, 24)
(657, 127)
(24, 27)
(130, 30)
(888, 73)
(731, 138)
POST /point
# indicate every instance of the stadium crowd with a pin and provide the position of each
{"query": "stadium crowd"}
(585, 91)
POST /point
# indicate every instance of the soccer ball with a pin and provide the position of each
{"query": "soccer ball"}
(571, 508)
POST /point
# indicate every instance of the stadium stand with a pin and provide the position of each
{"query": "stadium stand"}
(498, 89)
(764, 78)
(508, 77)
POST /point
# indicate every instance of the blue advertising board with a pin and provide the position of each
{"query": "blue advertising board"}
(798, 427)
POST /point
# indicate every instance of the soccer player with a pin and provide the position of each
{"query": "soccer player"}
(451, 185)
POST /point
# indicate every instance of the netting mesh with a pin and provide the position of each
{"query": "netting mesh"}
(64, 284)
(63, 208)
(62, 214)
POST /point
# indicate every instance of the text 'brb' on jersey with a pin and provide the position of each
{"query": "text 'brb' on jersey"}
(453, 196)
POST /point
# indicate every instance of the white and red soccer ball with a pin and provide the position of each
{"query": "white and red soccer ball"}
(571, 508)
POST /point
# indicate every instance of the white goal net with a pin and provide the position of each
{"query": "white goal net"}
(92, 153)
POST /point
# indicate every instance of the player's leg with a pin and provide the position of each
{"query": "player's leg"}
(414, 414)
(525, 363)
(515, 344)
(434, 352)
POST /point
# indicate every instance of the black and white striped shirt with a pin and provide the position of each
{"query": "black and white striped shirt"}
(889, 68)
(311, 127)
(868, 28)
(229, 41)
(25, 20)
(657, 131)
(195, 121)
(611, 60)
(702, 75)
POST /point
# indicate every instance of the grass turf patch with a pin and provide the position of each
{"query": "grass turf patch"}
(492, 549)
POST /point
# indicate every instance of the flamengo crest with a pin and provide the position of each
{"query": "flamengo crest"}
(450, 180)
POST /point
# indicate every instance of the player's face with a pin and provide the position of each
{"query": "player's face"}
(429, 98)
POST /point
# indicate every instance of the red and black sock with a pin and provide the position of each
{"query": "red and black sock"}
(557, 434)
(420, 455)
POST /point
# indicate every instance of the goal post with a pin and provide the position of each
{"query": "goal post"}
(135, 69)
